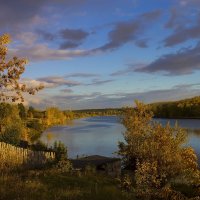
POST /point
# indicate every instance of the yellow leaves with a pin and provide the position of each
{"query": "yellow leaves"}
(159, 151)
(189, 158)
(54, 117)
(11, 71)
(5, 39)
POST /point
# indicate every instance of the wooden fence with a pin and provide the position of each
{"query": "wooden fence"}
(11, 156)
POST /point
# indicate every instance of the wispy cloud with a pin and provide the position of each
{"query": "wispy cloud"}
(129, 70)
(82, 75)
(100, 100)
(59, 81)
(40, 52)
(124, 32)
(97, 82)
(66, 90)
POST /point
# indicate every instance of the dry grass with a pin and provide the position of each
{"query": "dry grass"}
(50, 184)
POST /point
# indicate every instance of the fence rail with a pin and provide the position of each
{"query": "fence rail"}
(11, 156)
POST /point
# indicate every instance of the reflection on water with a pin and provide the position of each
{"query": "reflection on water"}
(100, 135)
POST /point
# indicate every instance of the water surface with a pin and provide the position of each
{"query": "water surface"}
(100, 135)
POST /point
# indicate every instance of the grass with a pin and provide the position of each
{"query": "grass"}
(53, 185)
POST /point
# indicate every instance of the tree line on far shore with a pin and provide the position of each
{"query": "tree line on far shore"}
(186, 108)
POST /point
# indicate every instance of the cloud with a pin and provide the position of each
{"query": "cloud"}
(40, 52)
(27, 38)
(174, 16)
(99, 100)
(58, 81)
(128, 31)
(32, 83)
(189, 2)
(187, 86)
(13, 13)
(66, 90)
(36, 45)
(183, 34)
(62, 81)
(184, 23)
(130, 69)
(73, 34)
(46, 35)
(69, 45)
(97, 82)
(82, 75)
(185, 61)
(142, 43)
(18, 13)
(72, 37)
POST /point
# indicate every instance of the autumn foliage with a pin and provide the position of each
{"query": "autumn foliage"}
(10, 73)
(157, 154)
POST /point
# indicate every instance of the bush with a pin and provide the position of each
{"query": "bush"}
(39, 146)
(60, 150)
(64, 166)
(12, 134)
(159, 153)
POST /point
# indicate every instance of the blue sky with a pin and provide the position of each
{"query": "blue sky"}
(105, 53)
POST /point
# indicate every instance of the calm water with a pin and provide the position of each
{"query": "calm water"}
(100, 135)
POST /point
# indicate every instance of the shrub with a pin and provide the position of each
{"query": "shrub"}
(159, 153)
(60, 150)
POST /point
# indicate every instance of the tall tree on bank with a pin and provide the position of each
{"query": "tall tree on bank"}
(10, 73)
(12, 128)
(157, 154)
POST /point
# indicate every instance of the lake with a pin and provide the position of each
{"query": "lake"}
(100, 135)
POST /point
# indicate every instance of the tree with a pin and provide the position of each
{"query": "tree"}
(8, 114)
(12, 128)
(35, 129)
(12, 134)
(11, 88)
(157, 153)
(30, 112)
(22, 111)
(54, 116)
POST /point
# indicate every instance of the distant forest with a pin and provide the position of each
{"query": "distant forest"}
(187, 108)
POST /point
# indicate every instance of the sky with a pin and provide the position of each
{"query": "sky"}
(105, 53)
